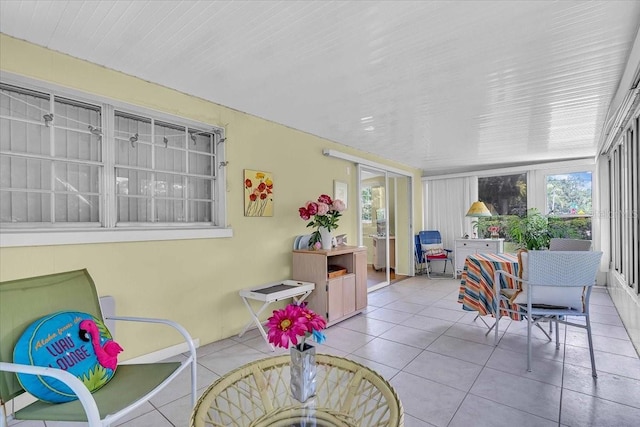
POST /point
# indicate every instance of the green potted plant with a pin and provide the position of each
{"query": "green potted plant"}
(530, 232)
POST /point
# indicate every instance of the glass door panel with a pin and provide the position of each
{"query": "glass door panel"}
(377, 228)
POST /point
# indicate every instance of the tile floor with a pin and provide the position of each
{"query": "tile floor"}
(446, 371)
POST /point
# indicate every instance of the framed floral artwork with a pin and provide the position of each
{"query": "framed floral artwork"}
(258, 193)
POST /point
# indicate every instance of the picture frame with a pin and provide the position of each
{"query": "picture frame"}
(341, 192)
(258, 193)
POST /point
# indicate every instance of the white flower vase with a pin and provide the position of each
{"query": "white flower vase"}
(303, 372)
(325, 237)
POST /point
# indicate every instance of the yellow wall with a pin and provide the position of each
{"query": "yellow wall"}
(194, 282)
(404, 243)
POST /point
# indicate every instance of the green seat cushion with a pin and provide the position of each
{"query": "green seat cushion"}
(129, 384)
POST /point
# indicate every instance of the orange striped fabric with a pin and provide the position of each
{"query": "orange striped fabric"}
(476, 285)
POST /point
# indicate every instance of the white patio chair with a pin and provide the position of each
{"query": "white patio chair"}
(554, 285)
(558, 244)
(562, 244)
(23, 301)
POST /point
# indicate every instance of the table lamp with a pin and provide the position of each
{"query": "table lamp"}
(478, 209)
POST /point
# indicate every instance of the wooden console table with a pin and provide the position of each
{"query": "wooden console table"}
(336, 298)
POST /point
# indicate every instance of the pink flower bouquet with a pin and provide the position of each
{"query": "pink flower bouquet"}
(324, 212)
(292, 324)
(494, 230)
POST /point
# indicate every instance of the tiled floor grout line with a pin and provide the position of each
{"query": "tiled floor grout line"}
(468, 392)
(495, 347)
(396, 299)
(564, 365)
(444, 333)
(461, 333)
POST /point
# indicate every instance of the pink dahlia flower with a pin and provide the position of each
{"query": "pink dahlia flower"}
(325, 199)
(313, 321)
(304, 214)
(338, 205)
(323, 208)
(286, 325)
(312, 208)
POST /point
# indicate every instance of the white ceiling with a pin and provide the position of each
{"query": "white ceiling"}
(442, 86)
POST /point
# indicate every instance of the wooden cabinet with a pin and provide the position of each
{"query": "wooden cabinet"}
(341, 296)
(380, 252)
(336, 298)
(465, 247)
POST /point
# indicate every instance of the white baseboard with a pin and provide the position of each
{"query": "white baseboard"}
(162, 354)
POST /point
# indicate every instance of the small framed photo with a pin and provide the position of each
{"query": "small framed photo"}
(341, 192)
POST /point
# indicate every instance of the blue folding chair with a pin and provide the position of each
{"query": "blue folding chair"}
(431, 249)
(420, 263)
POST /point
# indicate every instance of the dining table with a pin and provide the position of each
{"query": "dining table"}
(476, 283)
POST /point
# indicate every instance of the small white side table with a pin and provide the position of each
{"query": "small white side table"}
(271, 293)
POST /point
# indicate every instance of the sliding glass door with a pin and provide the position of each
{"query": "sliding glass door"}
(376, 227)
(384, 224)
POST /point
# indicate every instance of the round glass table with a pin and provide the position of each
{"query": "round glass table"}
(257, 395)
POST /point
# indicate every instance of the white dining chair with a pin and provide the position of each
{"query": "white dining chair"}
(553, 286)
(561, 244)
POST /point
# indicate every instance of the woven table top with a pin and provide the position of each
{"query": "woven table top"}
(257, 395)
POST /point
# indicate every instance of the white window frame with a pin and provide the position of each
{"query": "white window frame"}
(565, 172)
(107, 232)
(370, 204)
(624, 182)
(590, 215)
(482, 176)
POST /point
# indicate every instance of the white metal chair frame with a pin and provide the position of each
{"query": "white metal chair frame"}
(553, 269)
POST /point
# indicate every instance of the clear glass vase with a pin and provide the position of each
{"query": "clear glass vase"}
(303, 372)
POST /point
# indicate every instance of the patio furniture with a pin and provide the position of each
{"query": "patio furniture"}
(477, 282)
(552, 286)
(560, 244)
(269, 294)
(431, 250)
(24, 301)
(258, 395)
